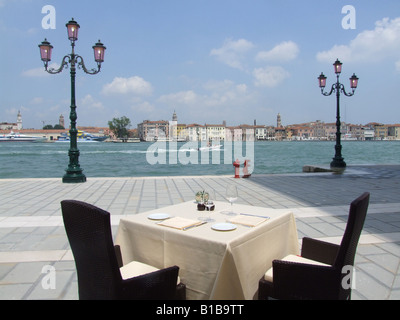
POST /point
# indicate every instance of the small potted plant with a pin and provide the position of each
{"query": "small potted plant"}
(201, 199)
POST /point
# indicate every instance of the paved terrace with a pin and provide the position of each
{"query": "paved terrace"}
(32, 235)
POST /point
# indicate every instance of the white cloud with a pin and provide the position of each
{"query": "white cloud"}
(143, 107)
(89, 102)
(232, 52)
(269, 76)
(218, 100)
(285, 51)
(398, 66)
(134, 85)
(182, 97)
(37, 100)
(370, 45)
(39, 72)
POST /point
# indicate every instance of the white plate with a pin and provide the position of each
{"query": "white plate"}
(159, 216)
(224, 227)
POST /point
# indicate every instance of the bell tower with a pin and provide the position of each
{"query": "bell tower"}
(61, 121)
(279, 121)
(19, 121)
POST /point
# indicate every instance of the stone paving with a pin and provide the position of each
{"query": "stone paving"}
(33, 242)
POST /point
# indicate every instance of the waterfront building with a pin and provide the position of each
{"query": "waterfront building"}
(8, 126)
(215, 132)
(381, 132)
(280, 133)
(394, 132)
(153, 130)
(248, 132)
(318, 130)
(233, 133)
(12, 126)
(300, 132)
(260, 132)
(196, 132)
(355, 132)
(330, 130)
(181, 132)
(369, 134)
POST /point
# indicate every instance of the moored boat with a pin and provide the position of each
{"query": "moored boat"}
(82, 137)
(17, 137)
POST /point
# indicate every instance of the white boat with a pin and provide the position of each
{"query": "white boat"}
(127, 140)
(17, 137)
(82, 137)
(348, 137)
(208, 148)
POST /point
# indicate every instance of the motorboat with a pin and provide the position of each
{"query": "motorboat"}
(82, 137)
(17, 137)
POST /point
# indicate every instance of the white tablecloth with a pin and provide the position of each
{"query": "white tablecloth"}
(213, 264)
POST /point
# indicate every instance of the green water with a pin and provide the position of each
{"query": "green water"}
(45, 160)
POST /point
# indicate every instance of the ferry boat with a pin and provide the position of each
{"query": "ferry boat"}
(127, 140)
(82, 137)
(17, 137)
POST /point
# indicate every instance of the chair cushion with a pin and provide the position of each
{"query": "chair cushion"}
(135, 269)
(292, 258)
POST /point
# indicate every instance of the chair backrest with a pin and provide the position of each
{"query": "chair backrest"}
(355, 224)
(89, 233)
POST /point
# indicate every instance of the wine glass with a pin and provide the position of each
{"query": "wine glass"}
(231, 195)
(209, 198)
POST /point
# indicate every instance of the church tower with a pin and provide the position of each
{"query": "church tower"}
(174, 127)
(61, 121)
(19, 121)
(279, 121)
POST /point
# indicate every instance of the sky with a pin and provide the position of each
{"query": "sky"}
(208, 60)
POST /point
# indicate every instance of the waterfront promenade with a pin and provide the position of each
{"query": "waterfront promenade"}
(32, 235)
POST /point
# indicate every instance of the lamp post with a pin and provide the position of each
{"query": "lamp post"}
(74, 172)
(338, 161)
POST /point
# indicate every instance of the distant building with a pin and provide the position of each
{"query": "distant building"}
(61, 121)
(394, 132)
(381, 132)
(13, 126)
(196, 132)
(215, 132)
(153, 130)
(316, 130)
(19, 121)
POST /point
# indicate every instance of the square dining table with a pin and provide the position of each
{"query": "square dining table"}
(220, 260)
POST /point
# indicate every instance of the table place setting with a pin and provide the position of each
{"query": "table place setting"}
(181, 223)
(227, 246)
(159, 216)
(248, 220)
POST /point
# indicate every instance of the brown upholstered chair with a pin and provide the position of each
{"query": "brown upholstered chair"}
(101, 275)
(318, 273)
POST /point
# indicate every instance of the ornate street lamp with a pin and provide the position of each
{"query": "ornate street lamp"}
(338, 161)
(74, 172)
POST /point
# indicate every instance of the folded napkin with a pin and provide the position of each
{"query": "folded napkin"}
(180, 223)
(249, 221)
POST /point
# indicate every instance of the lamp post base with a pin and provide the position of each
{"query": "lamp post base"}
(74, 177)
(338, 163)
